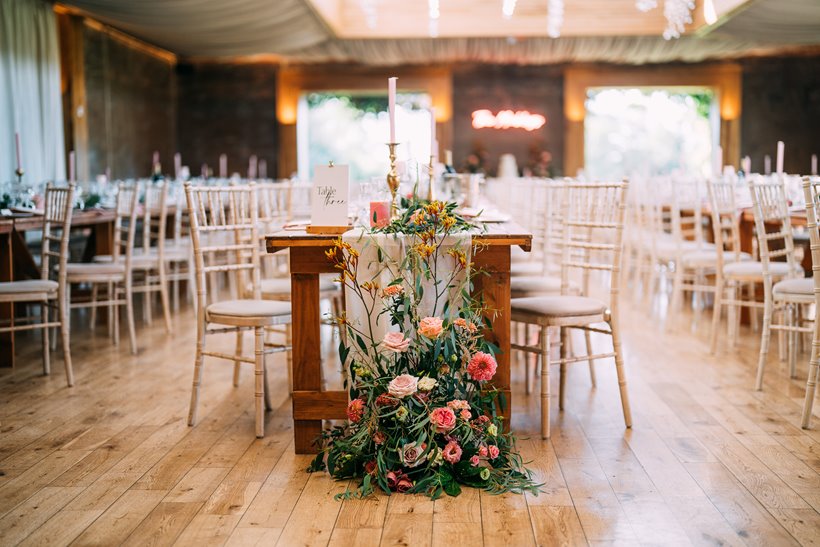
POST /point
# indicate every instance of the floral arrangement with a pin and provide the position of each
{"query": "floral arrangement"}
(422, 416)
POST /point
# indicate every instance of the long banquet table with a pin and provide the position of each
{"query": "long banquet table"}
(311, 404)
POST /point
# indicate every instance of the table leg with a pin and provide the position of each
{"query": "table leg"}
(6, 309)
(495, 290)
(307, 353)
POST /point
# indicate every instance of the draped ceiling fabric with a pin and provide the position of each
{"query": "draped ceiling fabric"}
(30, 102)
(293, 31)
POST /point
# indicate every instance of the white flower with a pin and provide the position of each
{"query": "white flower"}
(492, 430)
(426, 384)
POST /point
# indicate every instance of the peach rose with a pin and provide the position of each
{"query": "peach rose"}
(444, 419)
(430, 327)
(403, 385)
(395, 342)
(465, 415)
(482, 366)
(474, 461)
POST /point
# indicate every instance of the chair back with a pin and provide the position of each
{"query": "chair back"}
(725, 219)
(225, 235)
(593, 233)
(155, 217)
(298, 195)
(772, 224)
(686, 214)
(125, 223)
(59, 206)
(273, 205)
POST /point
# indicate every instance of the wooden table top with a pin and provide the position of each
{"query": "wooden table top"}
(500, 233)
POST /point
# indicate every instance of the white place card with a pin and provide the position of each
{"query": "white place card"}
(331, 194)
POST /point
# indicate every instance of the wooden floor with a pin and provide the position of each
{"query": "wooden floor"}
(112, 461)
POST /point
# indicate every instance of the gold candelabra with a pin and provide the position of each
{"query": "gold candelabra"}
(431, 172)
(393, 181)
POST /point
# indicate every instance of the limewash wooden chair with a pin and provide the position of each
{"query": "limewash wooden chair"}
(811, 190)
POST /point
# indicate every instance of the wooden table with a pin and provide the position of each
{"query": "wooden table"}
(311, 404)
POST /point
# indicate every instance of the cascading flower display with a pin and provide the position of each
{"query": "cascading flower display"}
(422, 416)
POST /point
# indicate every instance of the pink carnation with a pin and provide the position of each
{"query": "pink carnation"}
(482, 451)
(395, 342)
(458, 404)
(474, 461)
(493, 451)
(452, 452)
(430, 327)
(443, 418)
(355, 410)
(482, 366)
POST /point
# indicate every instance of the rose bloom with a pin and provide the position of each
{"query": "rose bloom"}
(370, 467)
(458, 404)
(473, 461)
(482, 451)
(355, 410)
(482, 366)
(392, 290)
(395, 342)
(430, 327)
(452, 452)
(410, 454)
(493, 451)
(403, 385)
(465, 415)
(427, 384)
(379, 437)
(404, 484)
(444, 419)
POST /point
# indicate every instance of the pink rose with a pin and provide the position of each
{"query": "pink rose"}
(398, 481)
(482, 366)
(493, 451)
(410, 454)
(392, 290)
(403, 485)
(430, 327)
(474, 461)
(403, 385)
(444, 419)
(465, 415)
(458, 404)
(452, 452)
(395, 342)
(370, 467)
(355, 410)
(482, 451)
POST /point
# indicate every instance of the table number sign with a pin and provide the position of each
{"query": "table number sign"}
(329, 200)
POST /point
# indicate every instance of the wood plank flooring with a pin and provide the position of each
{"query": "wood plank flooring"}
(111, 461)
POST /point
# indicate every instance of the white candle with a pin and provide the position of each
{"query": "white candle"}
(780, 149)
(71, 168)
(155, 159)
(391, 106)
(17, 149)
(223, 166)
(177, 164)
(814, 164)
(767, 165)
(747, 165)
(204, 171)
(263, 169)
(433, 142)
(448, 157)
(252, 163)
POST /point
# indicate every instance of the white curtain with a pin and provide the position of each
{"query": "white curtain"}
(30, 102)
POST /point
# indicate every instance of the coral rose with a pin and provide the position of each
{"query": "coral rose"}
(430, 327)
(482, 366)
(493, 451)
(452, 452)
(444, 419)
(379, 437)
(355, 410)
(403, 385)
(482, 451)
(463, 324)
(473, 461)
(465, 415)
(395, 342)
(370, 467)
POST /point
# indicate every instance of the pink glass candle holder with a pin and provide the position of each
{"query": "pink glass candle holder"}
(379, 214)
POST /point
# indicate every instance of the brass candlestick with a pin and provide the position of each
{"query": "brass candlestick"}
(393, 181)
(431, 172)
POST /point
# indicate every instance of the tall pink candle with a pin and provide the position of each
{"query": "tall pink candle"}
(177, 164)
(252, 163)
(204, 171)
(433, 151)
(263, 169)
(155, 158)
(17, 149)
(780, 150)
(223, 166)
(71, 167)
(813, 164)
(767, 165)
(391, 106)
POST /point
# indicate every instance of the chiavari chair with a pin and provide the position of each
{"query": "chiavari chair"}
(811, 191)
(50, 295)
(592, 242)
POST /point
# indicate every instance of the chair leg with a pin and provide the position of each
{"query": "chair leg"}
(289, 357)
(811, 380)
(588, 340)
(46, 339)
(753, 319)
(268, 404)
(129, 310)
(147, 312)
(524, 356)
(716, 310)
(259, 380)
(782, 340)
(677, 292)
(65, 332)
(163, 294)
(175, 274)
(734, 313)
(198, 362)
(794, 321)
(764, 341)
(115, 312)
(619, 370)
(562, 376)
(237, 364)
(93, 312)
(545, 383)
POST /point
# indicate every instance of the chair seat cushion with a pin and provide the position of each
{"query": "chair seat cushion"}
(535, 285)
(666, 248)
(708, 257)
(754, 268)
(28, 286)
(559, 306)
(280, 286)
(249, 308)
(532, 267)
(802, 286)
(138, 259)
(91, 268)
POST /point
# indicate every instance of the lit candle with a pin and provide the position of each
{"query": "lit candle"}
(252, 162)
(448, 157)
(379, 213)
(263, 169)
(433, 142)
(780, 149)
(767, 165)
(17, 149)
(71, 167)
(177, 164)
(223, 166)
(747, 165)
(155, 159)
(391, 106)
(813, 164)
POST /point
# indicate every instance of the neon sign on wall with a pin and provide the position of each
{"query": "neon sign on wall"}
(507, 119)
